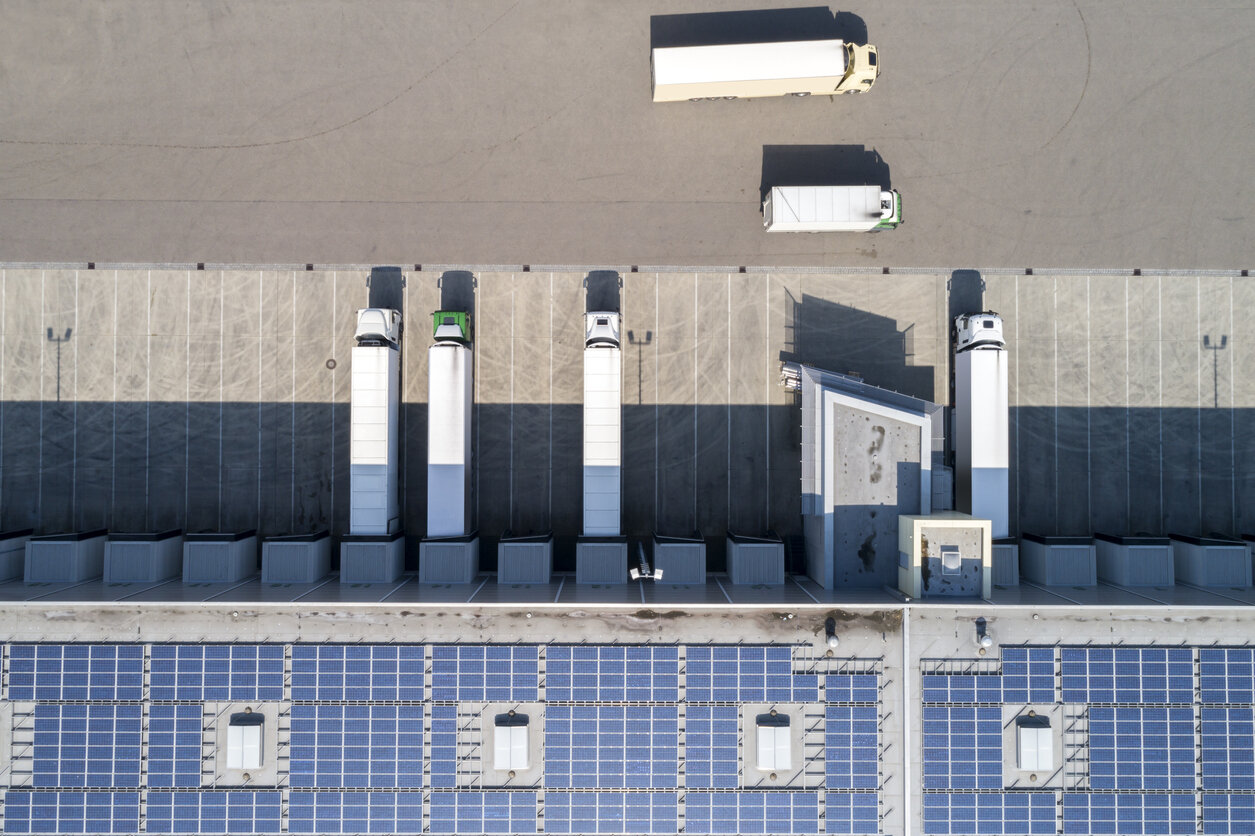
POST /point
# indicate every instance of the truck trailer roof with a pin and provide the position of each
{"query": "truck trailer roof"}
(748, 62)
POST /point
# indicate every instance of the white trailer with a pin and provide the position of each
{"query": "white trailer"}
(750, 71)
(831, 209)
(449, 402)
(982, 470)
(375, 408)
(602, 421)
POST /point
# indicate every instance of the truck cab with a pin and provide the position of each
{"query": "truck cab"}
(978, 330)
(451, 326)
(378, 327)
(862, 68)
(601, 329)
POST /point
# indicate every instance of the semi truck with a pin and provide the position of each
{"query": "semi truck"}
(602, 421)
(982, 471)
(375, 402)
(831, 209)
(449, 399)
(751, 71)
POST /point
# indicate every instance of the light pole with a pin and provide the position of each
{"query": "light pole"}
(1215, 366)
(58, 341)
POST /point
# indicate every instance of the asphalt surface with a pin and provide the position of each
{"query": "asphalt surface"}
(1020, 134)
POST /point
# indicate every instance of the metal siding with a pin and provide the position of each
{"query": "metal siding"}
(295, 562)
(143, 561)
(756, 563)
(219, 562)
(524, 562)
(64, 561)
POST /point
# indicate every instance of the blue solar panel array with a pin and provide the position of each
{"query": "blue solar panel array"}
(612, 747)
(483, 812)
(57, 673)
(611, 812)
(1228, 814)
(1153, 675)
(87, 746)
(1141, 748)
(174, 745)
(375, 746)
(71, 812)
(1228, 748)
(236, 811)
(997, 814)
(962, 747)
(355, 812)
(357, 673)
(1227, 675)
(852, 688)
(746, 674)
(464, 673)
(851, 750)
(752, 812)
(443, 746)
(1102, 813)
(1027, 675)
(712, 746)
(194, 673)
(852, 813)
(612, 674)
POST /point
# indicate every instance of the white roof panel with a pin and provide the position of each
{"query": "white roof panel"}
(748, 62)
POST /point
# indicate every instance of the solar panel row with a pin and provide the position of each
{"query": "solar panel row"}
(483, 812)
(377, 746)
(752, 812)
(1141, 748)
(462, 673)
(1103, 813)
(1227, 734)
(611, 812)
(1145, 675)
(997, 814)
(355, 812)
(357, 673)
(1227, 675)
(612, 747)
(71, 812)
(712, 746)
(612, 674)
(193, 673)
(55, 673)
(174, 745)
(962, 747)
(851, 747)
(746, 674)
(87, 746)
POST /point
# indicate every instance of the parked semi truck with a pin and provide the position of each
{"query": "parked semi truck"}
(751, 71)
(449, 398)
(982, 472)
(602, 410)
(375, 405)
(831, 209)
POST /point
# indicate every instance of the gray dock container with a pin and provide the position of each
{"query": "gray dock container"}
(1211, 561)
(13, 553)
(296, 558)
(756, 560)
(143, 558)
(372, 559)
(601, 560)
(65, 558)
(524, 559)
(1058, 561)
(1006, 562)
(1134, 561)
(219, 557)
(681, 560)
(449, 559)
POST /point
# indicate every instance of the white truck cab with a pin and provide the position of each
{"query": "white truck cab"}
(601, 329)
(978, 330)
(378, 326)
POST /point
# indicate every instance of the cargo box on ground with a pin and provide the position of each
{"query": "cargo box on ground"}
(143, 558)
(219, 557)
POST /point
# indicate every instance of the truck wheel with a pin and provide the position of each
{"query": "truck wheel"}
(800, 95)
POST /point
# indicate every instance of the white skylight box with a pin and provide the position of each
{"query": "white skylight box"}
(774, 746)
(244, 741)
(510, 742)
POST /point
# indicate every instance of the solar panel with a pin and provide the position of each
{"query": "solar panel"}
(357, 673)
(963, 688)
(214, 812)
(612, 747)
(852, 687)
(711, 746)
(174, 745)
(484, 673)
(997, 814)
(611, 812)
(87, 746)
(962, 747)
(71, 812)
(1154, 675)
(852, 747)
(612, 673)
(1028, 674)
(1227, 674)
(56, 672)
(751, 812)
(355, 812)
(852, 814)
(1141, 748)
(194, 673)
(746, 674)
(483, 812)
(1101, 813)
(1226, 814)
(376, 746)
(1227, 748)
